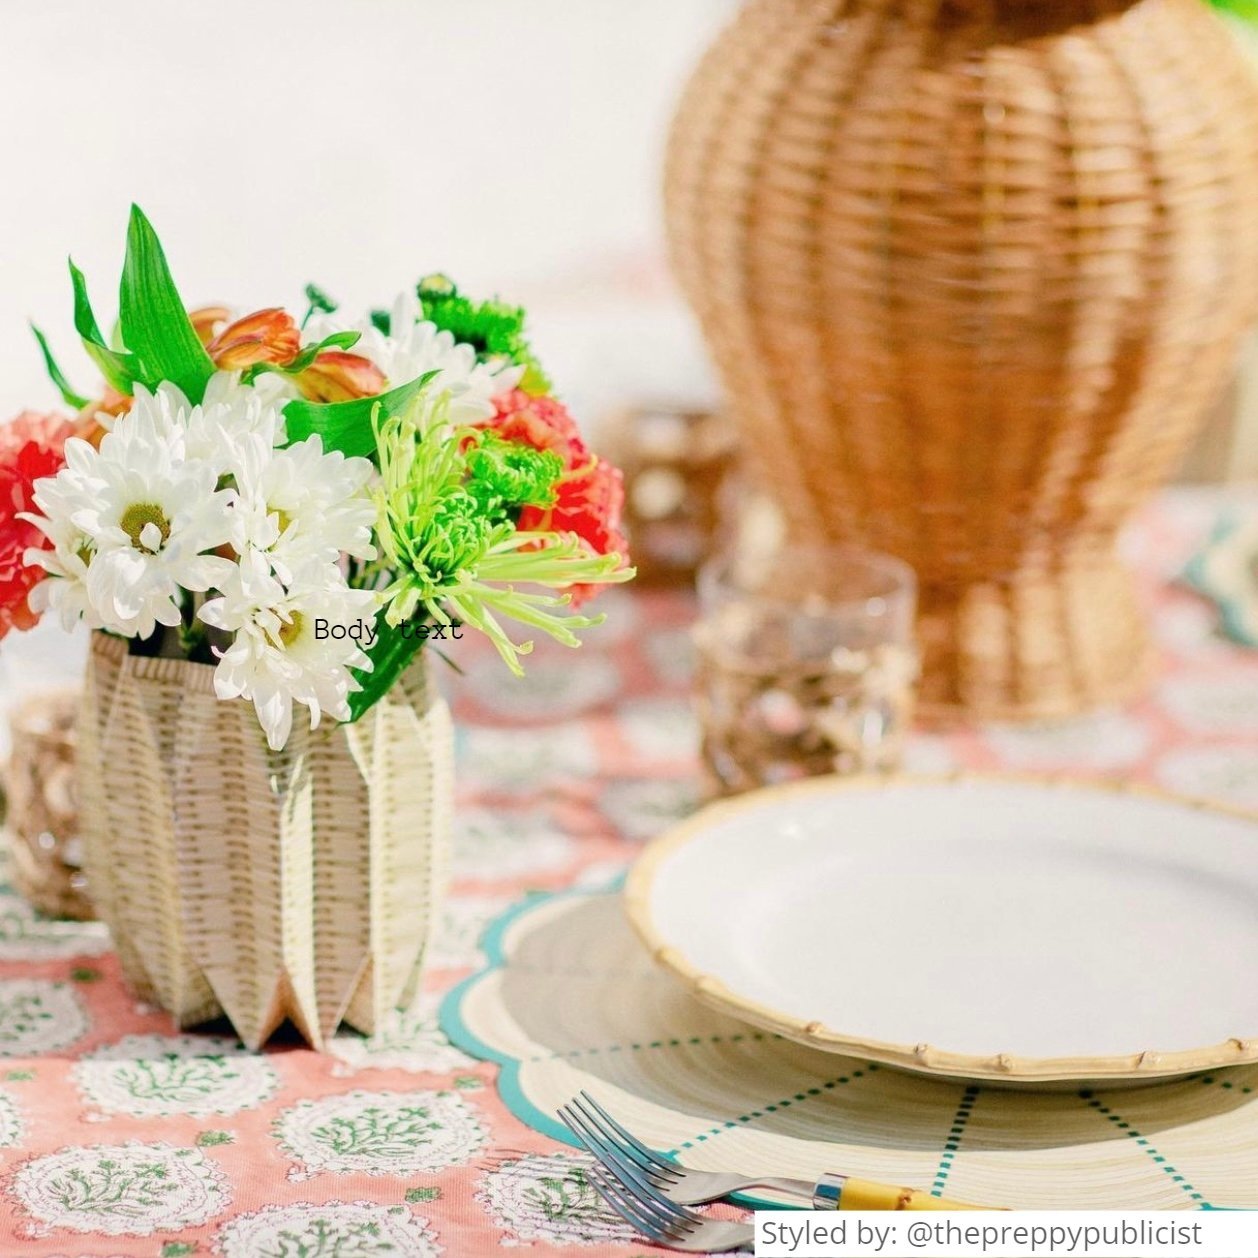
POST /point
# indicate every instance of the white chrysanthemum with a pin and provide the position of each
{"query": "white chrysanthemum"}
(413, 348)
(67, 561)
(301, 504)
(231, 412)
(284, 650)
(146, 515)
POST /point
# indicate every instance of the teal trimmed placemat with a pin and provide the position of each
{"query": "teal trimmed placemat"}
(569, 1000)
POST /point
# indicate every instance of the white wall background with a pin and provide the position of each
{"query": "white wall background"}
(514, 143)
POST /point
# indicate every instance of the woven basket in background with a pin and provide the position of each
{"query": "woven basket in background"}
(41, 810)
(973, 272)
(300, 884)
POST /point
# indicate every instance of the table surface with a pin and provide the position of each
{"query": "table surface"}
(119, 1137)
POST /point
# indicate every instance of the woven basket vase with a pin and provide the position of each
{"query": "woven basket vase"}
(299, 884)
(973, 274)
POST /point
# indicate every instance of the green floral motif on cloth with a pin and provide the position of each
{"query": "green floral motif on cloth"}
(546, 1197)
(380, 1133)
(159, 1076)
(334, 1229)
(131, 1189)
(38, 1016)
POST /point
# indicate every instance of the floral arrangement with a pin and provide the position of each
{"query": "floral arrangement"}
(304, 505)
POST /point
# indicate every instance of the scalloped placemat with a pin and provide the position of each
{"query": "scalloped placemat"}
(570, 1000)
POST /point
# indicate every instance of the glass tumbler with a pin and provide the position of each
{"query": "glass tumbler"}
(806, 664)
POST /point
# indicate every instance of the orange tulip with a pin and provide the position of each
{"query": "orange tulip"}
(208, 321)
(266, 336)
(335, 376)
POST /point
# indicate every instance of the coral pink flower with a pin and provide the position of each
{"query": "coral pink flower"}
(31, 446)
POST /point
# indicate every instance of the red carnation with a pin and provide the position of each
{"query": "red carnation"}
(540, 422)
(591, 492)
(31, 446)
(589, 503)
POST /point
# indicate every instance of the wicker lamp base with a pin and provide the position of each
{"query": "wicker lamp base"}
(974, 273)
(1044, 645)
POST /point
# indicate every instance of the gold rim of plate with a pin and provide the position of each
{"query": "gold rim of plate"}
(921, 1058)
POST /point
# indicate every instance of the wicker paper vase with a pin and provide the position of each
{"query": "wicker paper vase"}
(973, 272)
(300, 884)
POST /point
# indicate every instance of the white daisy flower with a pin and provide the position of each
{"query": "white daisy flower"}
(301, 503)
(284, 649)
(231, 412)
(414, 347)
(67, 561)
(146, 516)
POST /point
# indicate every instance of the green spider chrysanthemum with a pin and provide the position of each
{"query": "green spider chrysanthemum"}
(504, 476)
(458, 561)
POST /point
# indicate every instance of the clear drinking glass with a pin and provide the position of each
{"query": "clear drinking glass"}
(806, 664)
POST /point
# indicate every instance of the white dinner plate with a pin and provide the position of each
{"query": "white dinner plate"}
(982, 928)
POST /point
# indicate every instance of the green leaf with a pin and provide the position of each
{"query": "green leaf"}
(155, 323)
(55, 374)
(382, 321)
(121, 370)
(346, 426)
(391, 654)
(338, 340)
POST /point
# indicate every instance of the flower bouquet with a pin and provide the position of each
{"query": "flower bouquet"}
(289, 514)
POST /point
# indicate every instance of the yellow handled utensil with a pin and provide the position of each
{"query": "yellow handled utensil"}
(842, 1192)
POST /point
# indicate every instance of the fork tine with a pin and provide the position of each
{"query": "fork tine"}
(639, 1223)
(646, 1155)
(611, 1157)
(646, 1197)
(653, 1223)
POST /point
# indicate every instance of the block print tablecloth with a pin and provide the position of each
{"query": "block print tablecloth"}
(119, 1137)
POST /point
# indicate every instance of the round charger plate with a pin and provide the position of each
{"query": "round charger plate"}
(981, 928)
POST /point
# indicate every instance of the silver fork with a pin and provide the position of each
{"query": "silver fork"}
(643, 1170)
(659, 1220)
(679, 1184)
(675, 1226)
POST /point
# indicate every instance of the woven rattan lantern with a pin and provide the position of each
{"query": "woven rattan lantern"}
(973, 273)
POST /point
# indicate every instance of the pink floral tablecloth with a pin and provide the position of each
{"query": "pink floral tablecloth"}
(120, 1137)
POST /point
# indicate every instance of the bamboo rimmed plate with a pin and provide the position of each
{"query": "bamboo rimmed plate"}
(980, 928)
